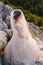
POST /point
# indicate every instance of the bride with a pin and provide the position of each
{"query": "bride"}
(22, 48)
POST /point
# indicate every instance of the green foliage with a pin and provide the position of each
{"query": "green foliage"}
(34, 6)
(1, 0)
(41, 27)
(33, 9)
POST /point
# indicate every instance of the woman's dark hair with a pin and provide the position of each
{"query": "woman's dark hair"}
(17, 14)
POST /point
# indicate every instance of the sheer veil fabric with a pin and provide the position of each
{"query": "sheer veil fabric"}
(22, 48)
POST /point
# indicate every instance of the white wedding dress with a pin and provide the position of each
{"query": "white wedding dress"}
(22, 48)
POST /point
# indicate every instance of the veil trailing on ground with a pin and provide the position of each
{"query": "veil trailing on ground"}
(22, 48)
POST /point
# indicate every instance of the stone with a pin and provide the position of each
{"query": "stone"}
(7, 20)
(0, 16)
(9, 33)
(4, 15)
(3, 25)
(1, 6)
(3, 40)
(8, 9)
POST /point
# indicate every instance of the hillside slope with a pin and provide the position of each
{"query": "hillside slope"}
(33, 10)
(5, 11)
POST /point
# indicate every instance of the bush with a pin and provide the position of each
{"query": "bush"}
(29, 7)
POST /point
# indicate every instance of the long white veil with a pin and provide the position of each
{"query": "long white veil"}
(21, 25)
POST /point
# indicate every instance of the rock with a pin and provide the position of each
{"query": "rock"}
(35, 30)
(4, 15)
(39, 42)
(32, 26)
(5, 35)
(37, 34)
(0, 16)
(6, 18)
(8, 9)
(7, 21)
(1, 6)
(3, 25)
(3, 40)
(9, 33)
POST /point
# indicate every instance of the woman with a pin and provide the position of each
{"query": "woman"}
(22, 48)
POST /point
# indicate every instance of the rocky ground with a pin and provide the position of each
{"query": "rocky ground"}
(6, 33)
(37, 34)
